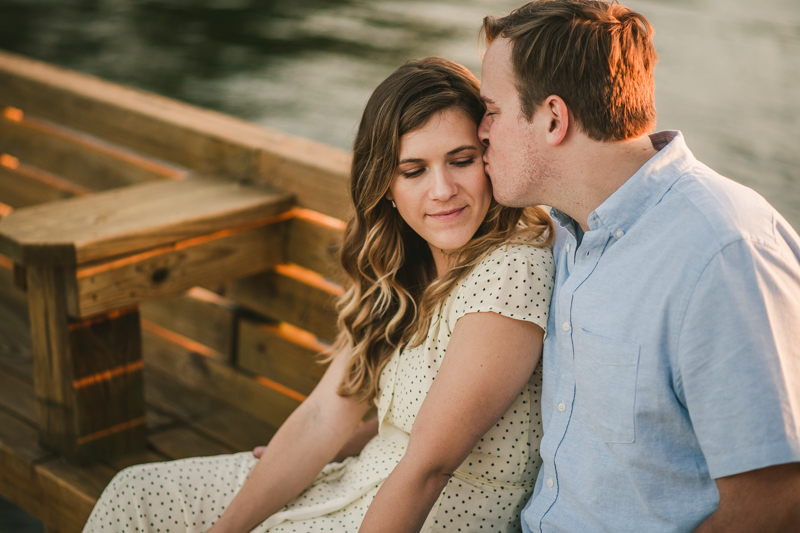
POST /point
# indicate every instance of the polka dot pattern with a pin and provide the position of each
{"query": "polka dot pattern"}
(487, 492)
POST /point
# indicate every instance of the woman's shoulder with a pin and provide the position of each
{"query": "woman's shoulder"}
(529, 250)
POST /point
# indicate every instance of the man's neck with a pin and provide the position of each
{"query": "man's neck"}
(595, 172)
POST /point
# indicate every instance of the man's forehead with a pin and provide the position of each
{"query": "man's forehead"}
(496, 67)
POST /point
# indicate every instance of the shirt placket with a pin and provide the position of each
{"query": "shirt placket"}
(581, 262)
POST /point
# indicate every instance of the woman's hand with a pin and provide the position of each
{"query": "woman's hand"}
(488, 362)
(304, 444)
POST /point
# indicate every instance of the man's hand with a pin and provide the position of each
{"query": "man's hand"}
(765, 500)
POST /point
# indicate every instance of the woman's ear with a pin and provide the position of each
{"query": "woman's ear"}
(389, 195)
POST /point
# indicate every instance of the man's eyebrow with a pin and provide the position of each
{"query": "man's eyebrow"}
(487, 100)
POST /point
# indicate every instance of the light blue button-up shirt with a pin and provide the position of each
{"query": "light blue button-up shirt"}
(672, 356)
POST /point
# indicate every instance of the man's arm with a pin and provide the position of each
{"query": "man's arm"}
(765, 500)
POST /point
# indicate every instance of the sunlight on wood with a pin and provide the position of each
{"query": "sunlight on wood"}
(277, 387)
(107, 375)
(318, 218)
(9, 161)
(5, 209)
(136, 258)
(297, 335)
(185, 342)
(12, 113)
(91, 321)
(110, 431)
(6, 263)
(309, 277)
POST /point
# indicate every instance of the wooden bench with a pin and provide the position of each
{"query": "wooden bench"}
(167, 275)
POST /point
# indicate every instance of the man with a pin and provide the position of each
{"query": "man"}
(671, 397)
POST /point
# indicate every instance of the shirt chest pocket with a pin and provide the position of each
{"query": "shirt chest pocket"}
(605, 375)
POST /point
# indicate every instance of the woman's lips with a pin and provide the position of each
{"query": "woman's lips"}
(448, 215)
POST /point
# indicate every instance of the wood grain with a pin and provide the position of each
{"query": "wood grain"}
(198, 314)
(172, 269)
(198, 139)
(283, 356)
(286, 299)
(236, 387)
(81, 158)
(21, 186)
(131, 219)
(316, 246)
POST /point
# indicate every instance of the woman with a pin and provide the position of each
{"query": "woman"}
(435, 266)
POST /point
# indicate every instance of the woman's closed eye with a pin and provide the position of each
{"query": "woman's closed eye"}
(464, 162)
(413, 173)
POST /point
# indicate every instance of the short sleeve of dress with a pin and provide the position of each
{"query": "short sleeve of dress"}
(514, 281)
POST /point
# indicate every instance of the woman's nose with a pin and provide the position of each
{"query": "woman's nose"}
(444, 186)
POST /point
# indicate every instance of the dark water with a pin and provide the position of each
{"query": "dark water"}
(728, 76)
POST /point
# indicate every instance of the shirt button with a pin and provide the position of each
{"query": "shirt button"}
(565, 326)
(550, 482)
(620, 233)
(568, 247)
(562, 407)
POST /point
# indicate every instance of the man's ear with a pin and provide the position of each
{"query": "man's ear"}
(558, 119)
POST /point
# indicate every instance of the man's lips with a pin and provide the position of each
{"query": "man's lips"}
(447, 215)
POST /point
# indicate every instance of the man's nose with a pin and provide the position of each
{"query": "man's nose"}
(483, 129)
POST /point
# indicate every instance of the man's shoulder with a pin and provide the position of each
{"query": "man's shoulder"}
(705, 206)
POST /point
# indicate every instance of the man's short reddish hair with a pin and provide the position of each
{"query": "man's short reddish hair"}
(597, 56)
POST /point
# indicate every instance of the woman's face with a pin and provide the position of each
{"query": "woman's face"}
(440, 188)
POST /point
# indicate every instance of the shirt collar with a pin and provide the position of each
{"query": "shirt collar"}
(642, 190)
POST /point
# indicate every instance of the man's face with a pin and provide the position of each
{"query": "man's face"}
(513, 156)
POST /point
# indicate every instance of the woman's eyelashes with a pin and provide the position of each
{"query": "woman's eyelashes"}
(460, 163)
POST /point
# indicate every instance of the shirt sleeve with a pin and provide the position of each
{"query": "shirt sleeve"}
(739, 358)
(515, 281)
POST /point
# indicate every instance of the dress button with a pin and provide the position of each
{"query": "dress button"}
(562, 407)
(565, 326)
(568, 247)
(620, 233)
(550, 482)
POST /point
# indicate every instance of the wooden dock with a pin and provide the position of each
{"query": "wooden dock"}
(167, 277)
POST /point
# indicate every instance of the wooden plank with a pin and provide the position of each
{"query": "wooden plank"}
(183, 442)
(19, 453)
(316, 173)
(234, 428)
(217, 378)
(196, 138)
(81, 158)
(198, 314)
(131, 219)
(281, 353)
(291, 295)
(22, 185)
(70, 492)
(16, 397)
(15, 338)
(81, 414)
(171, 269)
(315, 242)
(163, 392)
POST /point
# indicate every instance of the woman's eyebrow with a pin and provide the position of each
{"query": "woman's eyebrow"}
(462, 148)
(451, 152)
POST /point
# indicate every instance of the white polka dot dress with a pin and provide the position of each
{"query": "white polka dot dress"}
(486, 493)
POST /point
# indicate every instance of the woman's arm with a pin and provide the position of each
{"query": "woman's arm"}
(488, 362)
(304, 444)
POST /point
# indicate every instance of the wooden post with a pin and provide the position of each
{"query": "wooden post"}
(88, 374)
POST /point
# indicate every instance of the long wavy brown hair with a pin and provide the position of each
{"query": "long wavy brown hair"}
(392, 292)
